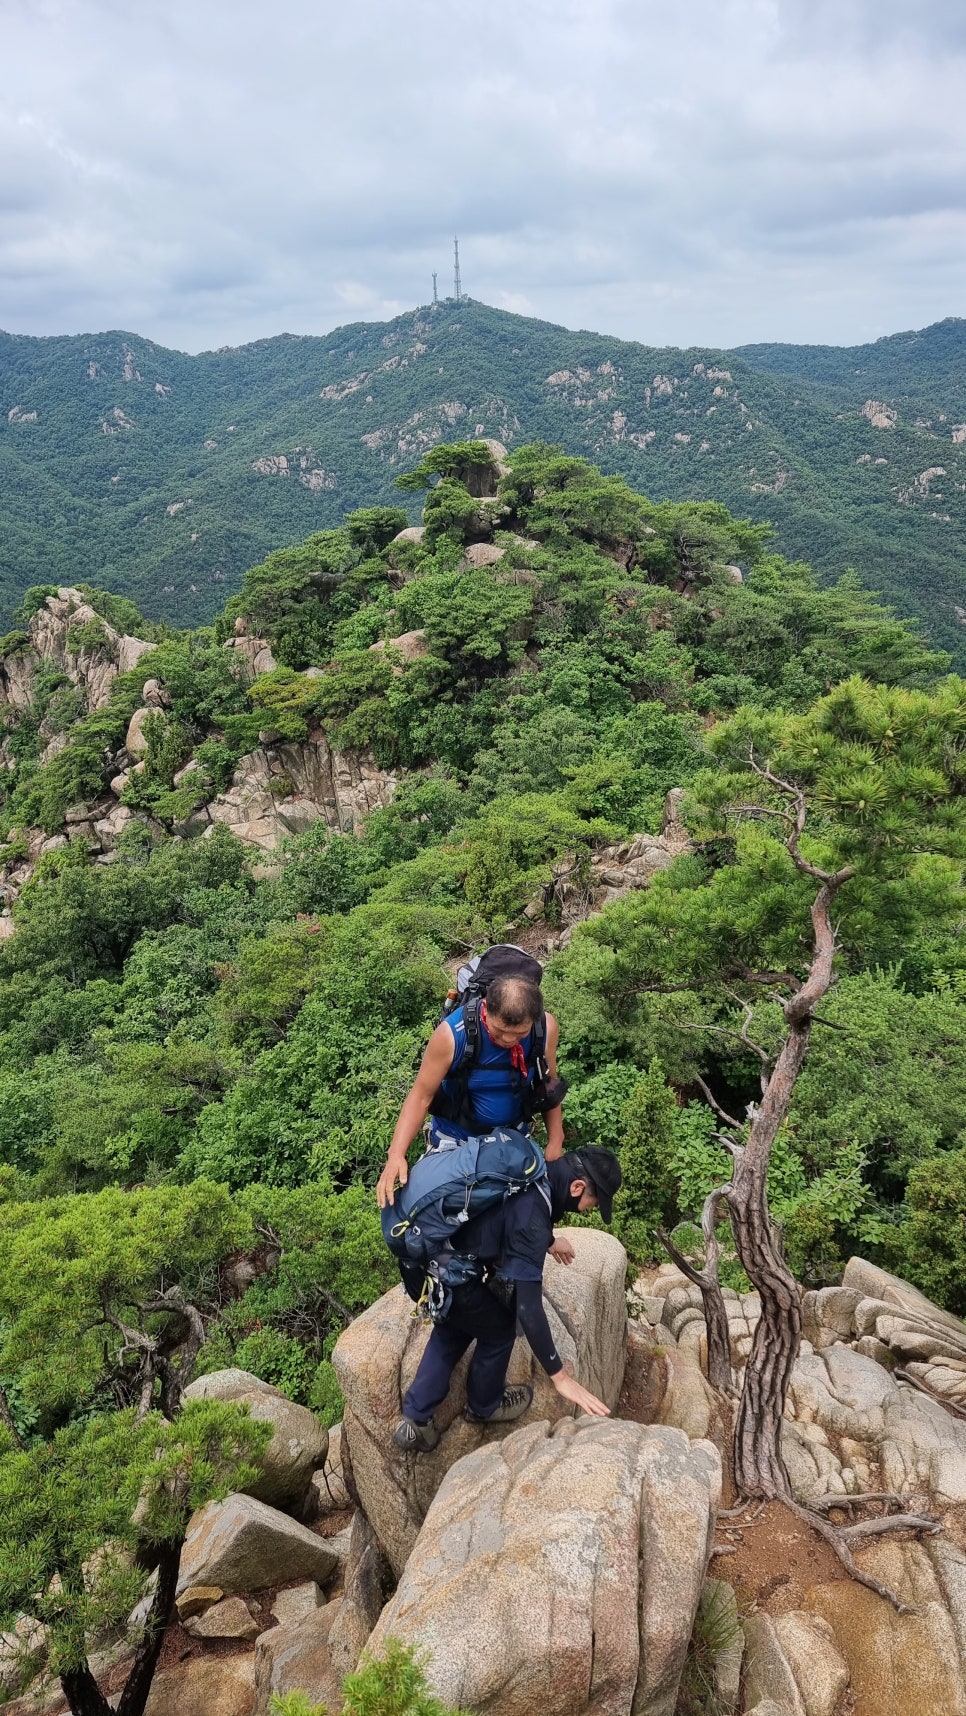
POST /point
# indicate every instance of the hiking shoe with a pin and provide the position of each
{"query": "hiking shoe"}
(415, 1438)
(514, 1404)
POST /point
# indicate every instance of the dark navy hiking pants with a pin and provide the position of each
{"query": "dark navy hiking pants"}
(475, 1315)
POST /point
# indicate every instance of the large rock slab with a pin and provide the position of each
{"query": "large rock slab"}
(590, 1541)
(296, 1659)
(368, 1581)
(205, 1686)
(377, 1356)
(240, 1544)
(299, 1439)
(890, 1320)
(899, 1665)
(875, 1283)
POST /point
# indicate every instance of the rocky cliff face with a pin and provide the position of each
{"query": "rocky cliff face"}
(283, 789)
(279, 789)
(67, 634)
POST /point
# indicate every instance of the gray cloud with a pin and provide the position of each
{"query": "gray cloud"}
(212, 171)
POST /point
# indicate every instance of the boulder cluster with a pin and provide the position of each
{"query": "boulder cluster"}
(580, 1567)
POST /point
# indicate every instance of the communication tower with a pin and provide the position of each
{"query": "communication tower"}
(435, 294)
(457, 288)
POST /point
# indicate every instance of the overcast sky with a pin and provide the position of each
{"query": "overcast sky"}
(207, 172)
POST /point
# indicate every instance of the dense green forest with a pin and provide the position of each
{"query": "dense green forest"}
(163, 476)
(202, 1053)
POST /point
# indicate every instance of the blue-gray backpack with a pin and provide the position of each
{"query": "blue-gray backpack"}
(445, 1190)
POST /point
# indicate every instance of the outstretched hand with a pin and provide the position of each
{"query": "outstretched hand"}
(570, 1389)
(393, 1174)
(562, 1251)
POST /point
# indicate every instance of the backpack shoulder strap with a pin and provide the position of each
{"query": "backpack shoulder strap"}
(538, 1041)
(473, 1027)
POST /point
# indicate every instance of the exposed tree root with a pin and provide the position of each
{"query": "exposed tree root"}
(951, 1406)
(735, 1512)
(829, 1504)
(838, 1537)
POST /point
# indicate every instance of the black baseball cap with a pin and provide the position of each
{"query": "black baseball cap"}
(601, 1167)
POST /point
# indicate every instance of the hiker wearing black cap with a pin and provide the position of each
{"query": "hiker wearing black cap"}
(511, 1241)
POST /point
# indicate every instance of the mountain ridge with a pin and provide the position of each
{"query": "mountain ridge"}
(164, 475)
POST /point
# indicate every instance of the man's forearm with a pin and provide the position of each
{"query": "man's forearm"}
(411, 1117)
(533, 1321)
(553, 1121)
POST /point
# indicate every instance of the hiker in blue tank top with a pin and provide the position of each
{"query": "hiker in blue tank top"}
(468, 1095)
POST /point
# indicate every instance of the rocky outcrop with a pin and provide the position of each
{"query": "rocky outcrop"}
(136, 738)
(890, 1320)
(283, 789)
(478, 555)
(851, 1428)
(410, 646)
(576, 892)
(482, 480)
(590, 1540)
(250, 655)
(240, 1544)
(67, 633)
(681, 1314)
(377, 1355)
(299, 1439)
(862, 1414)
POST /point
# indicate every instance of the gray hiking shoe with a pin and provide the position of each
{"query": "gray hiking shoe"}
(415, 1438)
(515, 1403)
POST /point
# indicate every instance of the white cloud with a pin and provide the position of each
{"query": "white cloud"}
(210, 171)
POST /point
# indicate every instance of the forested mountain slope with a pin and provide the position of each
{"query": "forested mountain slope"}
(241, 864)
(164, 476)
(238, 861)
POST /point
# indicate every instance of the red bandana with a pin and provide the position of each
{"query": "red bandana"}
(518, 1059)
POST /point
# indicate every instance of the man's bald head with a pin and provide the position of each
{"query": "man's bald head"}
(514, 1001)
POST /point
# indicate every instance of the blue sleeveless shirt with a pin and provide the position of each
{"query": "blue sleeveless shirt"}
(493, 1086)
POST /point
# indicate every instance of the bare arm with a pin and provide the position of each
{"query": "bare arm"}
(435, 1064)
(553, 1119)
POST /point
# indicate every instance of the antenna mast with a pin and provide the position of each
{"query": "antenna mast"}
(435, 294)
(457, 289)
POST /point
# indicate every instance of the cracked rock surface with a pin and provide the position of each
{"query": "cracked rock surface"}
(590, 1538)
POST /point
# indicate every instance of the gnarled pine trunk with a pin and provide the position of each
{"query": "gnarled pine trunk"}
(759, 1467)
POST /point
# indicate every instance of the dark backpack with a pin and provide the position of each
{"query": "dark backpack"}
(445, 1190)
(536, 1094)
(503, 960)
